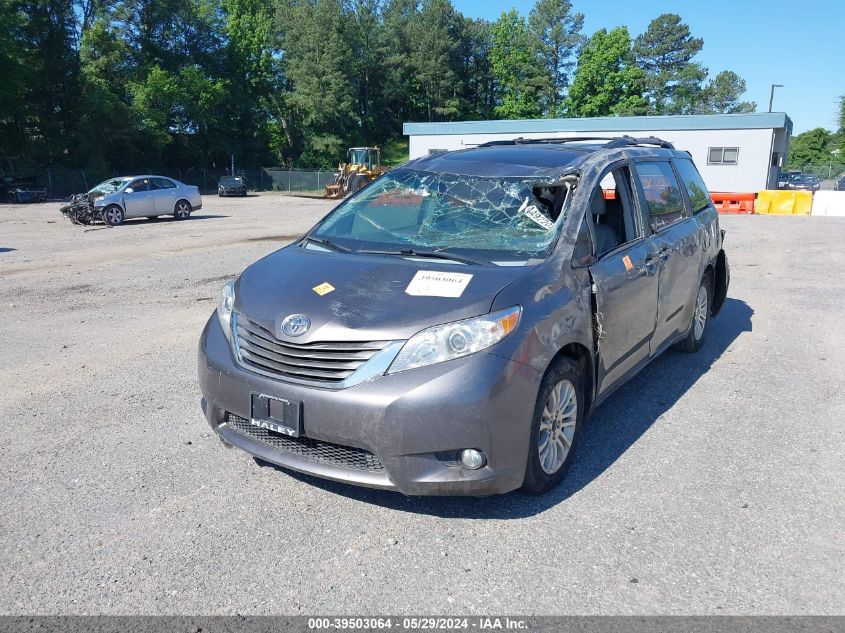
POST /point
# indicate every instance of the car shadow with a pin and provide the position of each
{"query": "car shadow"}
(169, 218)
(614, 427)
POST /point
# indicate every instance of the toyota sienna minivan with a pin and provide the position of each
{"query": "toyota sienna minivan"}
(447, 329)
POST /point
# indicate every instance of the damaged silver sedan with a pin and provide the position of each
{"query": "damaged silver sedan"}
(448, 329)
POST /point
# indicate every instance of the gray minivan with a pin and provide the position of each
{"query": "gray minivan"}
(447, 329)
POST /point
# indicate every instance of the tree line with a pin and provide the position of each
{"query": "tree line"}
(819, 147)
(122, 83)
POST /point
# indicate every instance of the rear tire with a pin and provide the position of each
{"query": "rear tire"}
(558, 417)
(700, 318)
(113, 215)
(182, 210)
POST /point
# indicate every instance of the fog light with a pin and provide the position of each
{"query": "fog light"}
(472, 459)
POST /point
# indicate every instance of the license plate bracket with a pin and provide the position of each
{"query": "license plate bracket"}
(277, 415)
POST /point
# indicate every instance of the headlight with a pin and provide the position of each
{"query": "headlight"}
(453, 340)
(225, 307)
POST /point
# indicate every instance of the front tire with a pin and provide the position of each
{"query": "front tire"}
(558, 418)
(182, 210)
(113, 215)
(700, 318)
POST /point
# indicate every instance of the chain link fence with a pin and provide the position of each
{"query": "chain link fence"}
(61, 183)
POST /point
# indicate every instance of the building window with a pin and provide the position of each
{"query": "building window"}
(437, 151)
(722, 155)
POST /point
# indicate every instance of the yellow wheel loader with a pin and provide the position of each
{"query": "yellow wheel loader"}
(362, 167)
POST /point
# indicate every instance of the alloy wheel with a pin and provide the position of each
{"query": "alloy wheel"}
(113, 215)
(182, 210)
(557, 426)
(699, 318)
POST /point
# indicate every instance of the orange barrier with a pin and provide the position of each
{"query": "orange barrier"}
(733, 202)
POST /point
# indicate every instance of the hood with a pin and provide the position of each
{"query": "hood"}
(368, 302)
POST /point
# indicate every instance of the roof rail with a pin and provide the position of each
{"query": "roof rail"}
(628, 141)
(529, 141)
(611, 141)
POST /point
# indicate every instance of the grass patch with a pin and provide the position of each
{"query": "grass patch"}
(394, 152)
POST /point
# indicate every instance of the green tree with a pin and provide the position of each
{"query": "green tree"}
(364, 36)
(724, 93)
(519, 78)
(105, 101)
(403, 99)
(13, 87)
(607, 80)
(42, 45)
(558, 35)
(473, 69)
(665, 53)
(317, 62)
(811, 148)
(434, 49)
(253, 73)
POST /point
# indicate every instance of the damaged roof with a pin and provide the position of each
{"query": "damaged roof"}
(507, 161)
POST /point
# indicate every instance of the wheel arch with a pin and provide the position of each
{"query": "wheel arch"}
(581, 355)
(721, 281)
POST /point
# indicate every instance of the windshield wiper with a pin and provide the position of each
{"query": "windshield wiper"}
(438, 253)
(325, 242)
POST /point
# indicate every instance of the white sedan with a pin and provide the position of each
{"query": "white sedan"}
(144, 196)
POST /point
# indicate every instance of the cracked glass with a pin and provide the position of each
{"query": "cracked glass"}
(496, 219)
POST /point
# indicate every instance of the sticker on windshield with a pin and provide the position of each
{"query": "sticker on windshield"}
(535, 215)
(323, 289)
(430, 283)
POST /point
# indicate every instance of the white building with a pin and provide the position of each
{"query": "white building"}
(734, 152)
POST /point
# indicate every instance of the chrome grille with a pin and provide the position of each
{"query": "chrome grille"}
(328, 362)
(309, 448)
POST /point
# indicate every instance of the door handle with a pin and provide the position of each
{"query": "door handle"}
(650, 265)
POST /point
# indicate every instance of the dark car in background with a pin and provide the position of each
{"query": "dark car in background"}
(448, 328)
(839, 183)
(804, 182)
(20, 191)
(231, 186)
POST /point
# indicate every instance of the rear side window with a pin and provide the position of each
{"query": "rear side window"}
(664, 202)
(697, 190)
(164, 183)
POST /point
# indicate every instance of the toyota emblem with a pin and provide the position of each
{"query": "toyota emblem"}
(296, 324)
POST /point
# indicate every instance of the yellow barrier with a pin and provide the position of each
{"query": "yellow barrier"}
(784, 202)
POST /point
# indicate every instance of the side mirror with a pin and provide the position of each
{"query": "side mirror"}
(129, 190)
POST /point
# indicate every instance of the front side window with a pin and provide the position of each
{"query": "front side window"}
(613, 217)
(663, 199)
(696, 189)
(513, 219)
(142, 184)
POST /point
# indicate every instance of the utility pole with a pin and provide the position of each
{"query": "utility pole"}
(772, 94)
(233, 156)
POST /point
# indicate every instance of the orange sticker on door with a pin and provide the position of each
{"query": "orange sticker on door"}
(627, 261)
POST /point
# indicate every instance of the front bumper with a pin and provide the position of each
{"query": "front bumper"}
(413, 422)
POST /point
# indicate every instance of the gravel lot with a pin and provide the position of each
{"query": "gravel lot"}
(711, 484)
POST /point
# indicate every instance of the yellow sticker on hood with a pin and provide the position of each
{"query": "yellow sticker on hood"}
(323, 289)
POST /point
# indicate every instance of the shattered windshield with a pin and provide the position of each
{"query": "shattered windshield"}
(109, 186)
(496, 219)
